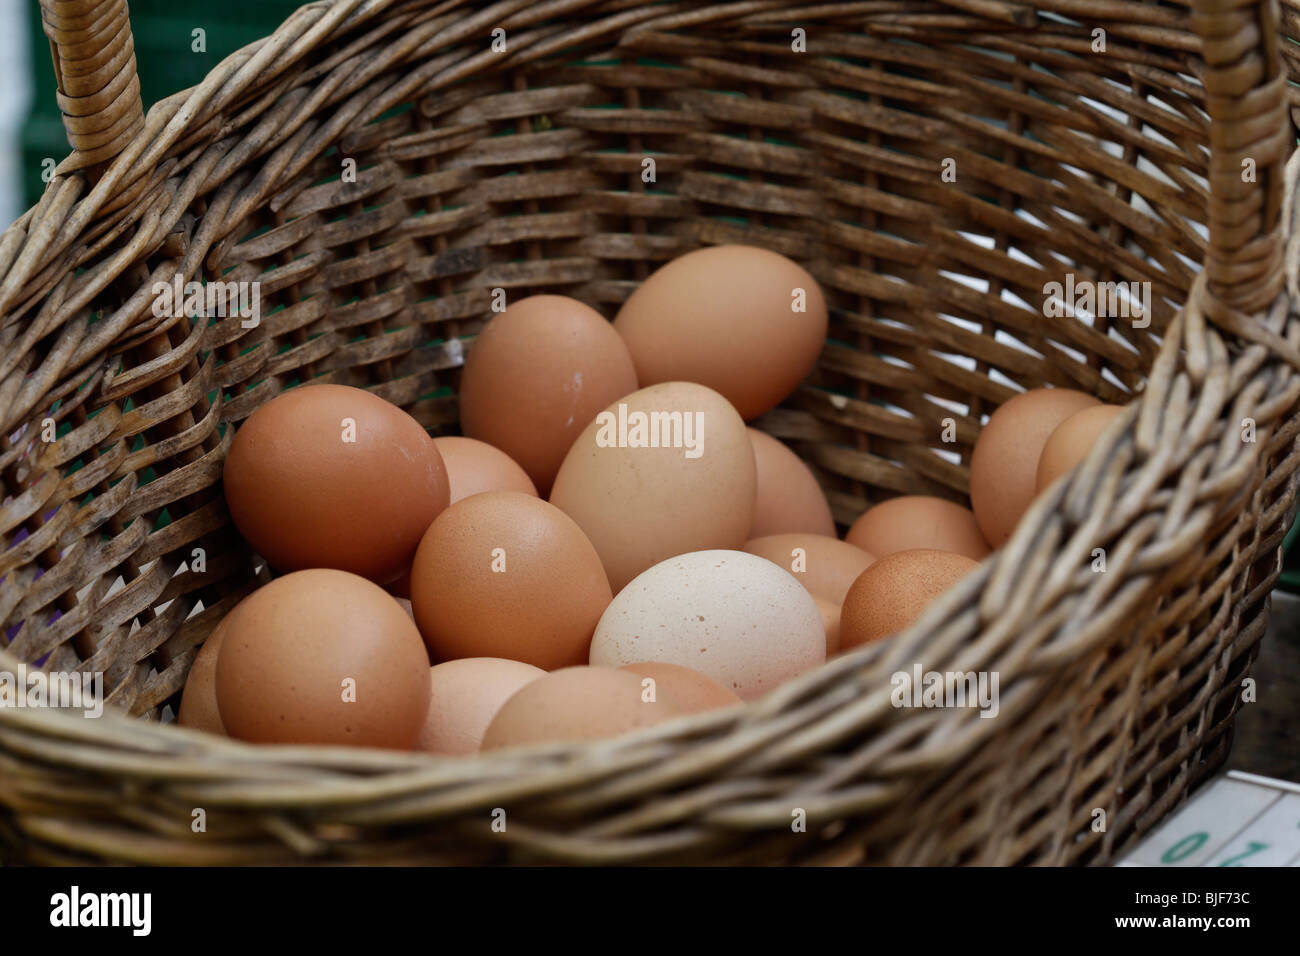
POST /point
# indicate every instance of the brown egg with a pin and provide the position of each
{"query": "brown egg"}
(918, 521)
(892, 593)
(464, 697)
(1072, 440)
(1004, 463)
(537, 375)
(831, 622)
(502, 574)
(328, 476)
(692, 691)
(789, 499)
(576, 703)
(199, 698)
(825, 566)
(474, 466)
(323, 657)
(692, 490)
(746, 322)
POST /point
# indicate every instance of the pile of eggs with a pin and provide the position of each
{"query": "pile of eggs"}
(606, 547)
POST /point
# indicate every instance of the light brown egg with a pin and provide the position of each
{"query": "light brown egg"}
(825, 566)
(323, 657)
(537, 375)
(464, 696)
(576, 703)
(789, 499)
(746, 322)
(692, 691)
(1004, 463)
(503, 574)
(918, 521)
(199, 698)
(830, 612)
(405, 605)
(641, 504)
(1072, 440)
(326, 476)
(892, 593)
(474, 466)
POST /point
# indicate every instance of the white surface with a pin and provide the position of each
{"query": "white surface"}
(1238, 820)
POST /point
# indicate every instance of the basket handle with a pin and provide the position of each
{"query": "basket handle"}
(1245, 85)
(98, 87)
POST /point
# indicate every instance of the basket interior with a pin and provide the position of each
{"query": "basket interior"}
(932, 169)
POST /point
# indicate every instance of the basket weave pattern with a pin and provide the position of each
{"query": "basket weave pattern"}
(523, 170)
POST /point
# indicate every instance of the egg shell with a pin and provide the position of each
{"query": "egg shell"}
(826, 566)
(198, 707)
(640, 505)
(891, 594)
(918, 521)
(692, 691)
(788, 498)
(503, 574)
(322, 657)
(464, 696)
(327, 476)
(1004, 462)
(1072, 440)
(725, 317)
(537, 375)
(733, 616)
(474, 466)
(574, 704)
(830, 612)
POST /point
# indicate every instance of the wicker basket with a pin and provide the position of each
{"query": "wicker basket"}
(1073, 151)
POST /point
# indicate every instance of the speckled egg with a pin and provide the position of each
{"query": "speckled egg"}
(734, 616)
(896, 590)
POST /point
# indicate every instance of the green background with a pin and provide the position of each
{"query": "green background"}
(163, 38)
